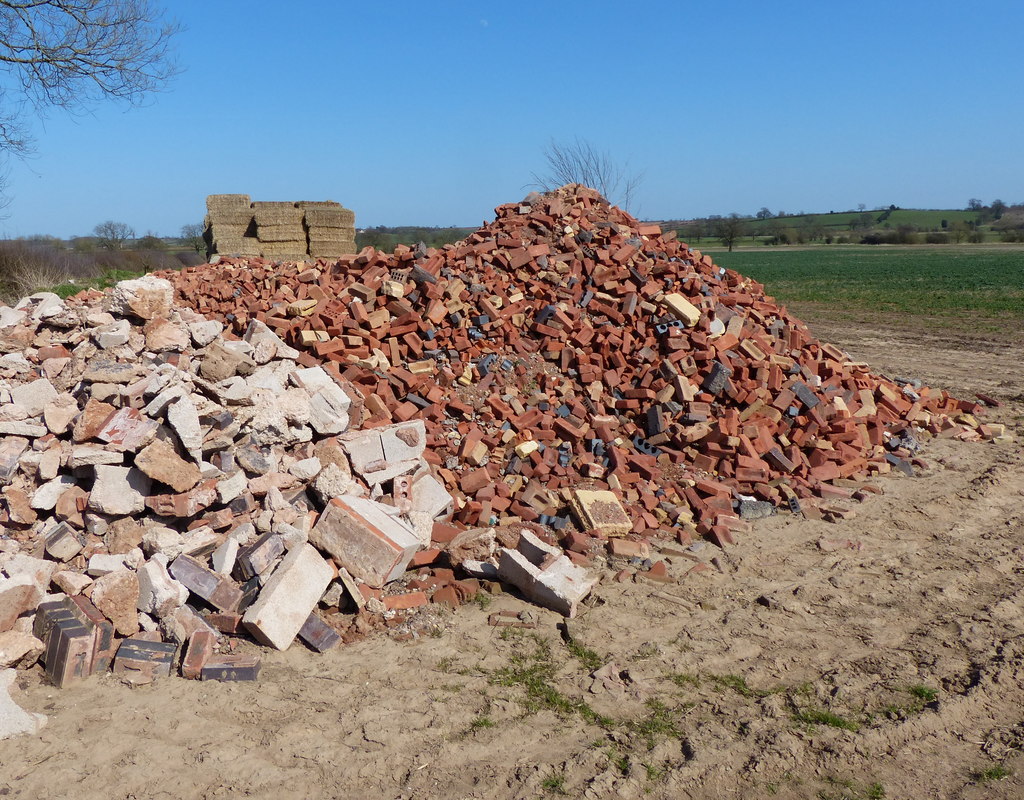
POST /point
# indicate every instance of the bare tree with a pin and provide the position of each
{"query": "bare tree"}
(730, 229)
(192, 234)
(71, 53)
(580, 162)
(112, 235)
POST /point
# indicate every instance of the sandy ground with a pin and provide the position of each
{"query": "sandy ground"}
(882, 656)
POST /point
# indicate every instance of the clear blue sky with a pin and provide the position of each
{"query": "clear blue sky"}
(432, 113)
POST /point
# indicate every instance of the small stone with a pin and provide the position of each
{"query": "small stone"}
(119, 491)
(146, 297)
(183, 417)
(162, 334)
(159, 593)
(254, 461)
(205, 331)
(160, 461)
(113, 335)
(71, 582)
(231, 487)
(89, 455)
(123, 535)
(116, 595)
(18, 595)
(19, 508)
(91, 420)
(306, 469)
(19, 650)
(101, 564)
(47, 495)
(34, 396)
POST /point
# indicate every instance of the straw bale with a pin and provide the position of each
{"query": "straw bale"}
(281, 233)
(330, 238)
(330, 217)
(245, 246)
(271, 205)
(278, 216)
(229, 231)
(232, 216)
(223, 202)
(317, 204)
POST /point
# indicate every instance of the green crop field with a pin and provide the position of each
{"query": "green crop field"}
(972, 285)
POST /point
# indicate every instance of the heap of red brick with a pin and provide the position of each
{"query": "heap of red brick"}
(566, 345)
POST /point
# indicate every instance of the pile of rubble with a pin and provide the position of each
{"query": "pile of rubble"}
(315, 450)
(172, 484)
(566, 346)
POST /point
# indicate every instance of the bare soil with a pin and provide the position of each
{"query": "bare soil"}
(882, 656)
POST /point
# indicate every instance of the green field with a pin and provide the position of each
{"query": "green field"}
(969, 285)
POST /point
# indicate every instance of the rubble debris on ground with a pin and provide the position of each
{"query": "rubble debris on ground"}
(166, 486)
(567, 348)
(318, 450)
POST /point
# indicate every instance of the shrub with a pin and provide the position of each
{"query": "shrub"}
(937, 238)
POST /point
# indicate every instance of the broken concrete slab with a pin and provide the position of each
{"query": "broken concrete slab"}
(289, 597)
(544, 576)
(370, 543)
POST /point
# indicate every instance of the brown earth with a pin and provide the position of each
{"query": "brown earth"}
(882, 656)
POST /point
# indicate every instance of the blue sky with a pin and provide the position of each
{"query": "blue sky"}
(416, 113)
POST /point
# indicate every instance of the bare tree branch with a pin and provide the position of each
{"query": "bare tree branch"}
(580, 162)
(71, 54)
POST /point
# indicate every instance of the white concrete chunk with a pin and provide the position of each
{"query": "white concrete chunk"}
(289, 597)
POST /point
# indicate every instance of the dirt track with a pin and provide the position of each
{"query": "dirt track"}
(880, 656)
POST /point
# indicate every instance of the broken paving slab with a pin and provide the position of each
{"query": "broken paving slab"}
(600, 511)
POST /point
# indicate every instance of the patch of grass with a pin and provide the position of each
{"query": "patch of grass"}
(483, 600)
(734, 683)
(660, 723)
(738, 684)
(684, 679)
(844, 789)
(533, 670)
(925, 693)
(819, 716)
(447, 664)
(103, 281)
(555, 784)
(481, 722)
(996, 773)
(654, 773)
(646, 650)
(618, 760)
(590, 660)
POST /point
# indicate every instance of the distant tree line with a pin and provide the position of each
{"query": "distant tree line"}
(860, 227)
(386, 238)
